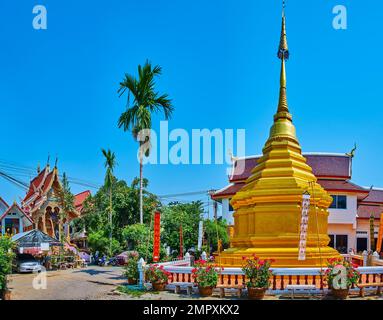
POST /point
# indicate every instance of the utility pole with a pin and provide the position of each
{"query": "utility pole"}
(215, 210)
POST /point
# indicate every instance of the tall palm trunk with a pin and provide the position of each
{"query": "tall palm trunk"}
(141, 187)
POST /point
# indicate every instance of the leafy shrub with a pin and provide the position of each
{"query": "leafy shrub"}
(131, 269)
(6, 256)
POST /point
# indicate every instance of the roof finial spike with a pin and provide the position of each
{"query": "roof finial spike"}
(57, 159)
(283, 54)
(283, 50)
(48, 160)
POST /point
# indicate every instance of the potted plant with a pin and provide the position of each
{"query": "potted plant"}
(205, 275)
(157, 276)
(258, 276)
(131, 269)
(340, 276)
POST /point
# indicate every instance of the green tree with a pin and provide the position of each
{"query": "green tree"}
(99, 241)
(110, 163)
(67, 203)
(215, 230)
(125, 202)
(140, 238)
(176, 214)
(138, 116)
(6, 256)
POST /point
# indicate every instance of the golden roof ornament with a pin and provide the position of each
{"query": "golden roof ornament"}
(283, 50)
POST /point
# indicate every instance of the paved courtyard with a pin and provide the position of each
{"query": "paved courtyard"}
(79, 284)
(100, 283)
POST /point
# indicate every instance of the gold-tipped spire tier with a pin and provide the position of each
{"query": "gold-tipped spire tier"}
(268, 208)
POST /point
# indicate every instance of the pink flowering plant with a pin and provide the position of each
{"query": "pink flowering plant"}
(205, 273)
(157, 274)
(353, 275)
(257, 272)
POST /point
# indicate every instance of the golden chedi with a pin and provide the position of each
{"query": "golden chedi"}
(268, 208)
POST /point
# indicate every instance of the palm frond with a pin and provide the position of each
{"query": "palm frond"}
(145, 99)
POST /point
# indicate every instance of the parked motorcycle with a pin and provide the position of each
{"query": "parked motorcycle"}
(113, 262)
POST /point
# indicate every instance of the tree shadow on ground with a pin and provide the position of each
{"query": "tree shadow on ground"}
(93, 272)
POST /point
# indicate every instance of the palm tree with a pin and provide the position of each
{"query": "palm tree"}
(138, 116)
(110, 163)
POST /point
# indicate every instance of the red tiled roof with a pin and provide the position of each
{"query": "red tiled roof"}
(375, 196)
(80, 198)
(35, 183)
(47, 182)
(328, 185)
(324, 166)
(228, 191)
(341, 185)
(329, 166)
(365, 211)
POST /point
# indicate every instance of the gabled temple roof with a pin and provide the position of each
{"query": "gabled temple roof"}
(10, 208)
(375, 196)
(36, 184)
(39, 189)
(80, 198)
(326, 166)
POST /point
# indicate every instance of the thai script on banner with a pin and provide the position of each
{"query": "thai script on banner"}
(304, 226)
(157, 236)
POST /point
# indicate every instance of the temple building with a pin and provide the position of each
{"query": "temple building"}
(350, 211)
(41, 208)
(268, 206)
(13, 219)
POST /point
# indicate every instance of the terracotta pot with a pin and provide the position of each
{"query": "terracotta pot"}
(132, 281)
(205, 291)
(158, 286)
(7, 294)
(256, 293)
(340, 294)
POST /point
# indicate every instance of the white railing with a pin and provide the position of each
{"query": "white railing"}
(276, 271)
(185, 262)
(281, 277)
(181, 271)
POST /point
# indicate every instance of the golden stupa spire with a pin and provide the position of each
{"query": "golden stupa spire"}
(283, 54)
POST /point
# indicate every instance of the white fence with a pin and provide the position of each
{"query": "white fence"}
(281, 277)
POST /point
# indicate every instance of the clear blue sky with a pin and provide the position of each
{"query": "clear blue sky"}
(58, 87)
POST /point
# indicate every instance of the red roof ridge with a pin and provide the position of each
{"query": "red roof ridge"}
(86, 191)
(18, 207)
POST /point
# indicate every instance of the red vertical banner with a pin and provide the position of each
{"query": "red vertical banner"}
(157, 236)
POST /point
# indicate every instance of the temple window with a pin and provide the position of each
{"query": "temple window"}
(339, 202)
